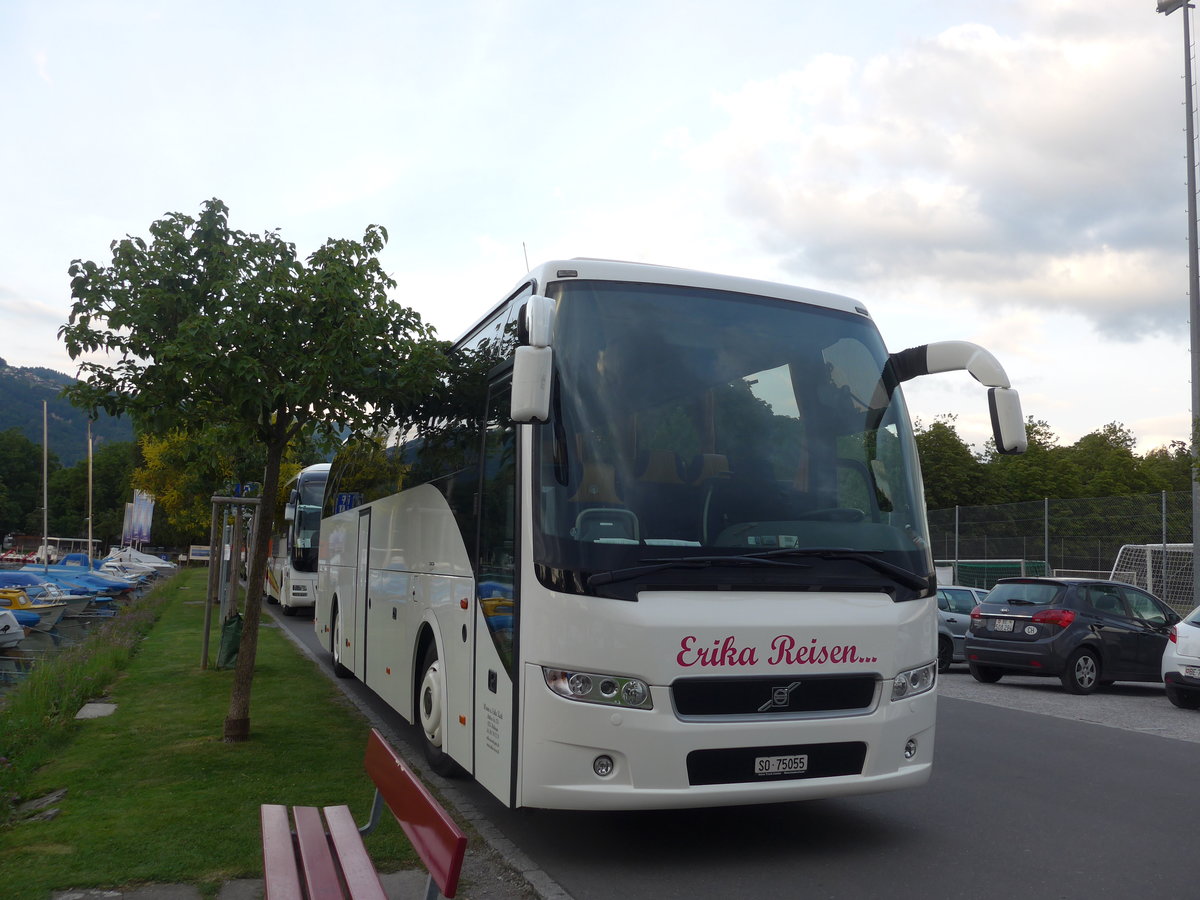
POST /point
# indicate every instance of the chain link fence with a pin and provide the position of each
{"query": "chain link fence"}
(1080, 537)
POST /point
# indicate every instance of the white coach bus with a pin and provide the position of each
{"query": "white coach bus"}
(661, 544)
(291, 578)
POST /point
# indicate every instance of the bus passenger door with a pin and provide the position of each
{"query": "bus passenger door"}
(496, 602)
(357, 626)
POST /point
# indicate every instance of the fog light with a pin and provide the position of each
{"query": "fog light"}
(602, 765)
(910, 749)
(635, 693)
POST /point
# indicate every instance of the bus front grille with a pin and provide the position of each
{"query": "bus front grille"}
(776, 695)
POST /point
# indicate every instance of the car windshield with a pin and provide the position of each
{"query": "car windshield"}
(698, 429)
(1025, 593)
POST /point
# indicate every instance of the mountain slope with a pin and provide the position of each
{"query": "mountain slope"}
(22, 391)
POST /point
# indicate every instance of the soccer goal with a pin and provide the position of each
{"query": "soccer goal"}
(1164, 570)
(984, 573)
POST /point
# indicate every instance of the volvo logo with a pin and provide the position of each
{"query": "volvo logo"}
(780, 697)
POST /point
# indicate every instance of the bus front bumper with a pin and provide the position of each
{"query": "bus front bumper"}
(652, 759)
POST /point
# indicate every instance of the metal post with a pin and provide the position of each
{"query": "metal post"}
(956, 581)
(1046, 536)
(1167, 7)
(235, 549)
(89, 502)
(214, 568)
(1164, 543)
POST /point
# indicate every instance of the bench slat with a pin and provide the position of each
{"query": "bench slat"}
(282, 880)
(362, 881)
(431, 831)
(320, 875)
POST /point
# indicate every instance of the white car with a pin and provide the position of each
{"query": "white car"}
(1181, 662)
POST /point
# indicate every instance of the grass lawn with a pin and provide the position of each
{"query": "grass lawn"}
(154, 795)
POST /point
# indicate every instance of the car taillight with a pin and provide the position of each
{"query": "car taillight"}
(976, 614)
(1060, 617)
(1173, 637)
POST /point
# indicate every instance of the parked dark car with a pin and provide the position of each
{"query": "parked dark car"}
(1086, 632)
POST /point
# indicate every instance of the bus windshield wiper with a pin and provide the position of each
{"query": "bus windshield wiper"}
(899, 573)
(687, 562)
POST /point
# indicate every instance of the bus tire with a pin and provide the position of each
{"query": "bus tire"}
(336, 645)
(431, 713)
(287, 610)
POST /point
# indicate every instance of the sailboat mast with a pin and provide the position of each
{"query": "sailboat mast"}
(45, 491)
(89, 506)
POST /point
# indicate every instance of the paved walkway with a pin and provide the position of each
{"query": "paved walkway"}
(408, 885)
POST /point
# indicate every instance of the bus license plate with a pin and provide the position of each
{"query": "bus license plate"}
(1002, 625)
(781, 765)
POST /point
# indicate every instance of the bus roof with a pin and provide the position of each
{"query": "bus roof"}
(646, 273)
(585, 268)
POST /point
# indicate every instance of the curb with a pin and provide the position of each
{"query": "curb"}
(545, 887)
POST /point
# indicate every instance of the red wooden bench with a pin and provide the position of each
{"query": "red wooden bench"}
(318, 860)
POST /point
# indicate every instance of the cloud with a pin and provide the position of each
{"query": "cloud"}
(1022, 168)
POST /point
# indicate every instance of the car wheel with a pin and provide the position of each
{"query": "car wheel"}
(1082, 675)
(431, 713)
(1183, 699)
(985, 674)
(336, 646)
(945, 653)
(288, 610)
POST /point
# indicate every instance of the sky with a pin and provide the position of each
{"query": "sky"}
(1010, 173)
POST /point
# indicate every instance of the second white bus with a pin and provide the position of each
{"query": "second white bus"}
(291, 578)
(662, 544)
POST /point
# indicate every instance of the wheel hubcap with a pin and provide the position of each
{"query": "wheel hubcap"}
(431, 704)
(1085, 671)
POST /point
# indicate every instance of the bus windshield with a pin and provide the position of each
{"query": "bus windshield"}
(701, 439)
(307, 524)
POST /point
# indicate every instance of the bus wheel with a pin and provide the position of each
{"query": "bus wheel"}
(288, 610)
(336, 646)
(431, 712)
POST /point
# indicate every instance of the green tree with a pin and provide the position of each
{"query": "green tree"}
(184, 470)
(952, 473)
(1106, 464)
(213, 326)
(21, 474)
(1169, 468)
(1041, 471)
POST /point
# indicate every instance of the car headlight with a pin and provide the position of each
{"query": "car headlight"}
(609, 690)
(914, 681)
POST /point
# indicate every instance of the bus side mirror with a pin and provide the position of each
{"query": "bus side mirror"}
(533, 364)
(532, 369)
(1008, 424)
(289, 511)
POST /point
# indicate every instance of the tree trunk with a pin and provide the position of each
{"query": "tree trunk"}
(237, 723)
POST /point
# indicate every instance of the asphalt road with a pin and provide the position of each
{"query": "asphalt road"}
(1035, 793)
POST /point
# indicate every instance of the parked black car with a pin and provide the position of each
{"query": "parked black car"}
(1086, 632)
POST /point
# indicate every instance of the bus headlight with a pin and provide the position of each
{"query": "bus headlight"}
(608, 690)
(914, 681)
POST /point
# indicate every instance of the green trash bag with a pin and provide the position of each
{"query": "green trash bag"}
(231, 638)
